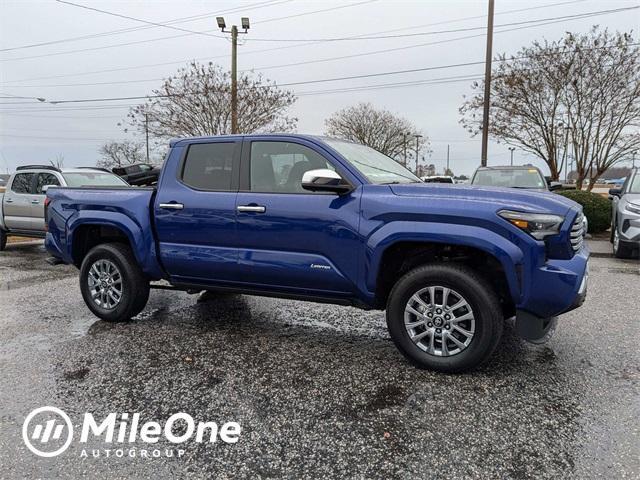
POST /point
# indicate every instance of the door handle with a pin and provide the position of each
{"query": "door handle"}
(35, 202)
(171, 206)
(252, 208)
(8, 200)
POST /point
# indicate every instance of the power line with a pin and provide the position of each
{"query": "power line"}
(437, 32)
(344, 57)
(170, 37)
(285, 47)
(127, 17)
(308, 82)
(253, 6)
(314, 12)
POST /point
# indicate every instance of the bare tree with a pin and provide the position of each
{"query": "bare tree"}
(118, 154)
(578, 96)
(197, 101)
(378, 129)
(57, 161)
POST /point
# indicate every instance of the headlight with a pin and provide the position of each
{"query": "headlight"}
(538, 225)
(633, 208)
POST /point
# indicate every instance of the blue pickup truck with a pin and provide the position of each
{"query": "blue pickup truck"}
(321, 219)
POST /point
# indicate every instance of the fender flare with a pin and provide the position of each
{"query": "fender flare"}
(499, 247)
(140, 238)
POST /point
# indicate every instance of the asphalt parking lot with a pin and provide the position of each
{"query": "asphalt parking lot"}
(320, 391)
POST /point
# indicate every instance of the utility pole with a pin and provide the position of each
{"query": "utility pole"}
(487, 85)
(418, 137)
(146, 132)
(234, 66)
(404, 143)
(511, 149)
(447, 159)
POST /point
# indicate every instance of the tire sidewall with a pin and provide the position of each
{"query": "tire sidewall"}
(128, 300)
(482, 303)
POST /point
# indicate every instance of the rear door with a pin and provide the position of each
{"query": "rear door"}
(195, 212)
(290, 238)
(37, 199)
(18, 211)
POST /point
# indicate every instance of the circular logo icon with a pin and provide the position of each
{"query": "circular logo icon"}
(47, 431)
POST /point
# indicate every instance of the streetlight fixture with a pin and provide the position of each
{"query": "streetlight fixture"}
(511, 149)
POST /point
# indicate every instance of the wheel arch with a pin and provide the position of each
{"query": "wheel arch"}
(391, 256)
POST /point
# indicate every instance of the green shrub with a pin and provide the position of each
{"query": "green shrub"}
(596, 207)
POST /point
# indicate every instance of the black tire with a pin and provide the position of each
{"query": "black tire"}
(135, 286)
(622, 251)
(474, 288)
(3, 239)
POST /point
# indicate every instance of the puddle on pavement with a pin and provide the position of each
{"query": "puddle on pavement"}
(29, 281)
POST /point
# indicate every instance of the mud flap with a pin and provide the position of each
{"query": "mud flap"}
(535, 329)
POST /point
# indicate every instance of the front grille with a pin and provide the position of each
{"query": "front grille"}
(576, 235)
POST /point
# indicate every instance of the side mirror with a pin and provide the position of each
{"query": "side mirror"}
(555, 186)
(47, 187)
(325, 180)
(615, 192)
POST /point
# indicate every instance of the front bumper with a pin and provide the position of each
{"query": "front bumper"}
(556, 287)
(628, 224)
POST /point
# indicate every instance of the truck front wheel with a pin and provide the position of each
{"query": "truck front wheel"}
(444, 317)
(112, 284)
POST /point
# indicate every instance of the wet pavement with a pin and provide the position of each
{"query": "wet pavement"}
(319, 390)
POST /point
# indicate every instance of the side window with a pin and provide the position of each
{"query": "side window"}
(22, 183)
(45, 179)
(278, 167)
(208, 166)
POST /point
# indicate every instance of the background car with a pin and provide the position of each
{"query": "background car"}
(138, 174)
(438, 179)
(23, 203)
(520, 176)
(625, 218)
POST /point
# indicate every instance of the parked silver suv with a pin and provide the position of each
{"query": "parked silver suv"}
(625, 219)
(22, 204)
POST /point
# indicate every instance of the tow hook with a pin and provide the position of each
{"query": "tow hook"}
(534, 329)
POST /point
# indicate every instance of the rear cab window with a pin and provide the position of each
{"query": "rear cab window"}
(93, 179)
(209, 166)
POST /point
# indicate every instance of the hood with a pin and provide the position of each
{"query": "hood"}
(507, 198)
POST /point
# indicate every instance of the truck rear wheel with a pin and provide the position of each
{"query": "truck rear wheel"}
(444, 317)
(3, 239)
(112, 284)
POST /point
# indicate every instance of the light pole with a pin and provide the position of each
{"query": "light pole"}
(418, 137)
(511, 149)
(234, 65)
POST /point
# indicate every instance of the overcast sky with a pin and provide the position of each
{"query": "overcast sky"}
(34, 132)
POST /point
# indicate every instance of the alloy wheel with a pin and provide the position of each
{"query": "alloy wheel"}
(440, 321)
(105, 284)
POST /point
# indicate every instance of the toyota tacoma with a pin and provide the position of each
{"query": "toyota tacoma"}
(325, 220)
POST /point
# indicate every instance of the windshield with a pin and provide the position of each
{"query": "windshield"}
(93, 179)
(635, 184)
(518, 178)
(377, 167)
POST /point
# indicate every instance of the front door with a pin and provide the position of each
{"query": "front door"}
(290, 238)
(195, 213)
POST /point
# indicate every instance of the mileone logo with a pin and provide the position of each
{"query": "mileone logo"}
(48, 431)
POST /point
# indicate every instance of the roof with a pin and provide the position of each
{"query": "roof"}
(30, 168)
(509, 167)
(302, 136)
